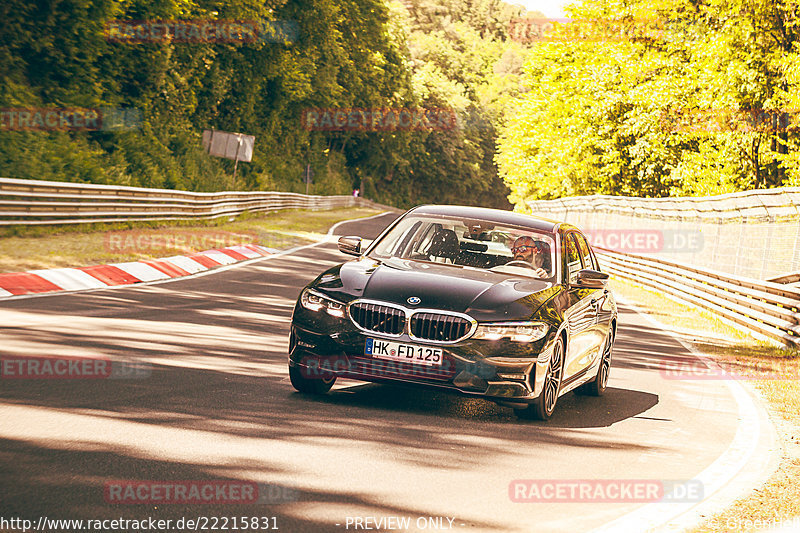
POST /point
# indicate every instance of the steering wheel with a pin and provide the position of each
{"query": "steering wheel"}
(519, 262)
(540, 272)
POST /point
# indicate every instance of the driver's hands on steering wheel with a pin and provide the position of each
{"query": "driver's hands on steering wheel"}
(540, 272)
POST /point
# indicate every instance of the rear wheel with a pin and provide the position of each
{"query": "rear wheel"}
(308, 385)
(546, 404)
(597, 387)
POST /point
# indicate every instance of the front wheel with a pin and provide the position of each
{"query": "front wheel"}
(308, 385)
(546, 404)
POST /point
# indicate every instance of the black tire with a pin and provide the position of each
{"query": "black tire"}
(546, 404)
(308, 385)
(597, 387)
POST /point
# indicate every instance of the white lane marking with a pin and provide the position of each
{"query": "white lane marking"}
(264, 249)
(220, 257)
(719, 491)
(166, 279)
(336, 226)
(247, 252)
(141, 271)
(325, 240)
(70, 279)
(185, 263)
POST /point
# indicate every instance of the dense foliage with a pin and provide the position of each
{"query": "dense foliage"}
(347, 53)
(705, 100)
(689, 97)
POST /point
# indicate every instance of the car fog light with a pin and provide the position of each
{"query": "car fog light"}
(518, 377)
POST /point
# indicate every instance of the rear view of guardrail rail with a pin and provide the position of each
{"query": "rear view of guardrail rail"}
(771, 309)
(35, 202)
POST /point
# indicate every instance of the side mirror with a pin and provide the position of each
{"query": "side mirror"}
(591, 279)
(350, 245)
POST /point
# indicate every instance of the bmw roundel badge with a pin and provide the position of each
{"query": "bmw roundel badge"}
(413, 300)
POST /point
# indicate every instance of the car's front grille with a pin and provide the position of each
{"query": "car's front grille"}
(378, 318)
(436, 327)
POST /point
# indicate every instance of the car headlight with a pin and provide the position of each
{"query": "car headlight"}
(516, 331)
(314, 301)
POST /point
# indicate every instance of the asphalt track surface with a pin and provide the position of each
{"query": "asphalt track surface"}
(217, 404)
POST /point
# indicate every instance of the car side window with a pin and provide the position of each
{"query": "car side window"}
(573, 258)
(588, 259)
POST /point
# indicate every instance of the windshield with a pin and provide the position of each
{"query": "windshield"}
(470, 243)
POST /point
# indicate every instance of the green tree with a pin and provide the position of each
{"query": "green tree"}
(696, 108)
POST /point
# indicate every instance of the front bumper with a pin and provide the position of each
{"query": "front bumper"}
(507, 372)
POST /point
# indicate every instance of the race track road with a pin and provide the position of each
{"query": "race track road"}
(215, 402)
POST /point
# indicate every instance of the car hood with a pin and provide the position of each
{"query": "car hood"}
(482, 294)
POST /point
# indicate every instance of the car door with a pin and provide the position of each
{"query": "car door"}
(596, 334)
(605, 306)
(581, 314)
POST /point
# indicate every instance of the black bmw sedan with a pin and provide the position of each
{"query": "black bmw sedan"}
(487, 303)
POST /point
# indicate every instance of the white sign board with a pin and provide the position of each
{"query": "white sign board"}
(230, 145)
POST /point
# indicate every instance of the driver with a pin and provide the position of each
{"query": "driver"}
(537, 253)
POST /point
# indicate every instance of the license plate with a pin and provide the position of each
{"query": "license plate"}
(410, 353)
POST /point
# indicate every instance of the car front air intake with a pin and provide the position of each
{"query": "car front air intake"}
(378, 318)
(439, 327)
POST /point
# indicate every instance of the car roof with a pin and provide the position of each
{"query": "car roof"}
(493, 215)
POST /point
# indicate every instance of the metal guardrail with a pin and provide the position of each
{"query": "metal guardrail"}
(753, 234)
(35, 202)
(751, 206)
(745, 237)
(765, 307)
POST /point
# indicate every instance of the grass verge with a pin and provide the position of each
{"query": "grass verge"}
(773, 371)
(73, 247)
